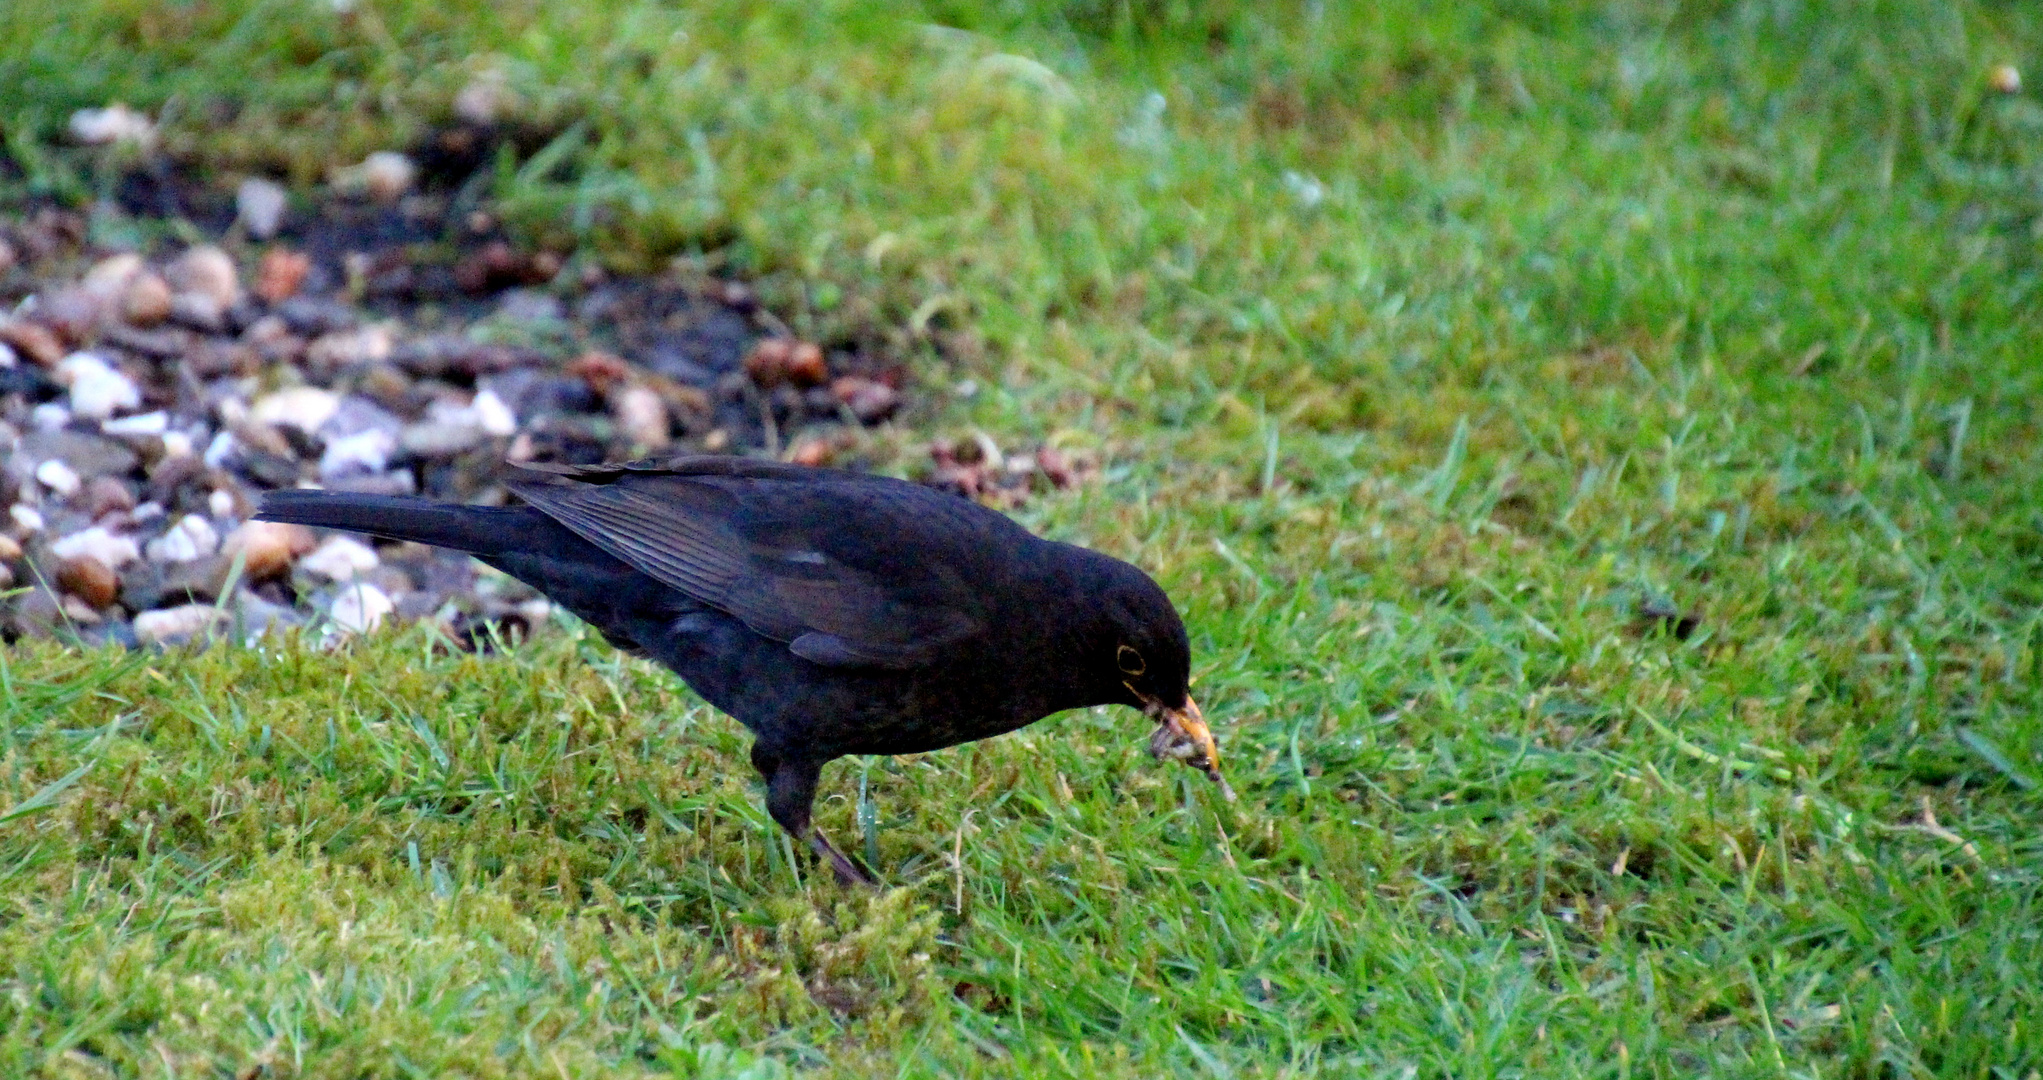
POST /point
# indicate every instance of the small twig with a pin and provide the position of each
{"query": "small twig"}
(958, 861)
(1932, 827)
(1226, 848)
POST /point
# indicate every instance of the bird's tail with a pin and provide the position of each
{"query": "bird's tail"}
(479, 530)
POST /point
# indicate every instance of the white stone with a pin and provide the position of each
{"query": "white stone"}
(383, 176)
(364, 345)
(485, 99)
(110, 548)
(97, 388)
(169, 625)
(493, 416)
(177, 444)
(220, 503)
(148, 511)
(641, 416)
(359, 607)
(259, 204)
(50, 416)
(110, 275)
(149, 423)
(26, 518)
(340, 559)
(353, 455)
(301, 407)
(8, 357)
(191, 539)
(220, 449)
(58, 477)
(206, 271)
(115, 123)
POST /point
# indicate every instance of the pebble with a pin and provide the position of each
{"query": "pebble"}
(259, 206)
(353, 455)
(98, 542)
(440, 439)
(198, 311)
(303, 407)
(114, 124)
(146, 301)
(359, 347)
(80, 612)
(267, 548)
(868, 399)
(359, 607)
(176, 625)
(485, 98)
(89, 579)
(2005, 79)
(141, 424)
(207, 271)
(109, 277)
(281, 274)
(385, 176)
(50, 416)
(192, 538)
(60, 478)
(642, 417)
(103, 495)
(97, 389)
(493, 416)
(33, 340)
(221, 503)
(10, 548)
(26, 518)
(223, 447)
(340, 558)
(89, 454)
(8, 357)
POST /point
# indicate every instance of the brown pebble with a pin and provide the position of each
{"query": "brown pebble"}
(146, 300)
(281, 274)
(601, 370)
(768, 361)
(805, 366)
(868, 399)
(10, 548)
(1056, 467)
(497, 264)
(103, 495)
(813, 453)
(268, 548)
(33, 340)
(89, 580)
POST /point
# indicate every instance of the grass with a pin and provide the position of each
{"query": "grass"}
(1427, 345)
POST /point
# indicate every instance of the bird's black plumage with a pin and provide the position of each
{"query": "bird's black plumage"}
(830, 612)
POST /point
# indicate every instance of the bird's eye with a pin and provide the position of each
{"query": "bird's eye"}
(1129, 661)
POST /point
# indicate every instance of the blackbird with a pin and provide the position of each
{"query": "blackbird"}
(830, 612)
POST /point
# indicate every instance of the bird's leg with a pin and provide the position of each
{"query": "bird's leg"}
(790, 795)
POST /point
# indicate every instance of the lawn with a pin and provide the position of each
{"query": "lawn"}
(1595, 447)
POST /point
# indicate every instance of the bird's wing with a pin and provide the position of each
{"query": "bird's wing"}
(827, 562)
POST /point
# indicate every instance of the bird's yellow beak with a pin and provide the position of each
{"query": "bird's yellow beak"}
(1182, 735)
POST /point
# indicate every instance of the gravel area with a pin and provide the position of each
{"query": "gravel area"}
(377, 342)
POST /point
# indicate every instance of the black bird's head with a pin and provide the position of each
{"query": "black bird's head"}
(1138, 654)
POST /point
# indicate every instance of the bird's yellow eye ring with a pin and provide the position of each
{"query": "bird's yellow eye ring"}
(1129, 661)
